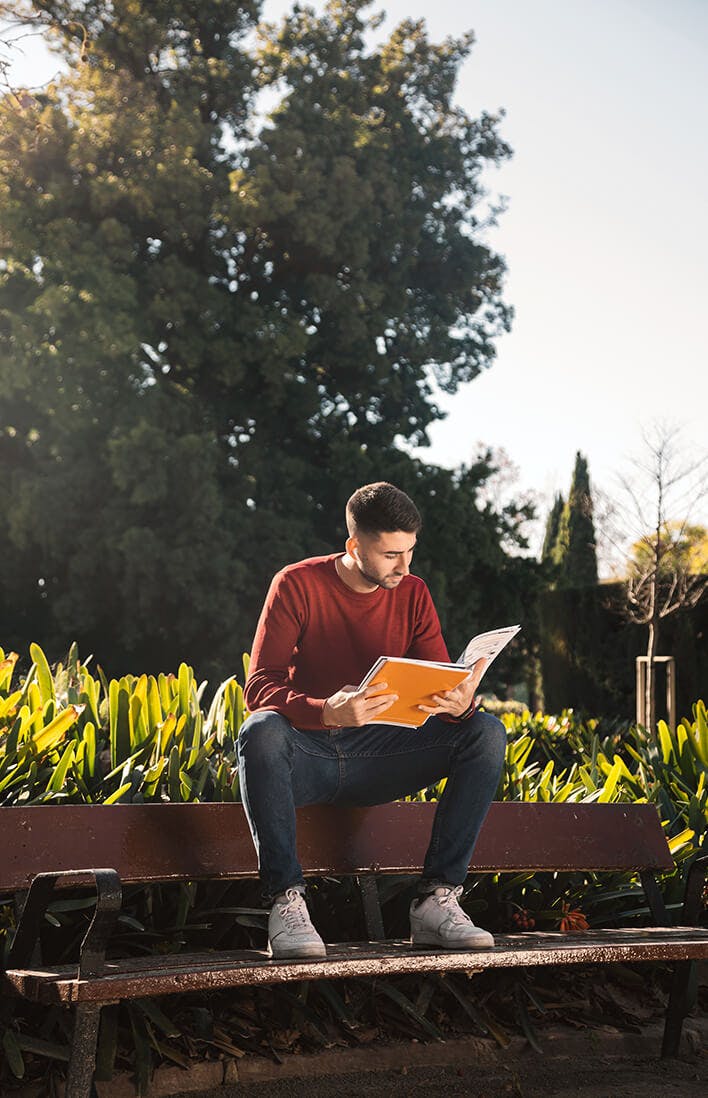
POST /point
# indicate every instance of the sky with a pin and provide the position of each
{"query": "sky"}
(605, 233)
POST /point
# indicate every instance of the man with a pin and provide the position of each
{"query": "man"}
(310, 737)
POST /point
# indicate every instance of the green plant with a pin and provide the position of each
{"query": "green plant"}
(76, 737)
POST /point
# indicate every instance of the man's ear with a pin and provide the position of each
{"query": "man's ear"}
(351, 546)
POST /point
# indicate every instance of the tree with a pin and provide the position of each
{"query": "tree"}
(550, 539)
(685, 550)
(666, 487)
(568, 617)
(574, 550)
(115, 479)
(211, 325)
(569, 541)
(12, 33)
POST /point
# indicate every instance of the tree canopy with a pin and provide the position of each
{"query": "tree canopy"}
(683, 548)
(569, 543)
(216, 322)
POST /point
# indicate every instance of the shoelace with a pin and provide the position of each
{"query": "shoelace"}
(450, 901)
(294, 913)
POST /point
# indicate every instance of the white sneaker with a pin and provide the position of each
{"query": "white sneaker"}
(290, 931)
(438, 920)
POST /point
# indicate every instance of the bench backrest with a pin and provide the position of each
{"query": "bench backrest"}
(160, 842)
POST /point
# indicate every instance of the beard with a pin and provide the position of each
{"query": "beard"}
(387, 582)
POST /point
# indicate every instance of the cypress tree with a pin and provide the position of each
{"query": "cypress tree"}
(575, 551)
(552, 529)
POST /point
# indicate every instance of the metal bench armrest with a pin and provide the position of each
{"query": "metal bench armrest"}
(41, 892)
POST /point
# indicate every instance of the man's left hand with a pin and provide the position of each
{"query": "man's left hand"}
(455, 702)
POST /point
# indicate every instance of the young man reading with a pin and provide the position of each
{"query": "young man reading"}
(310, 737)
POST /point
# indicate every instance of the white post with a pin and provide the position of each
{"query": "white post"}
(641, 664)
(671, 690)
(641, 688)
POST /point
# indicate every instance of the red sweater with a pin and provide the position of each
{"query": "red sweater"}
(315, 635)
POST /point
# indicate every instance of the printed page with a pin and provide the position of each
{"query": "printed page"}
(487, 646)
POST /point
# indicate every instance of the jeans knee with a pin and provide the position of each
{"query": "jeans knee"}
(264, 739)
(489, 733)
(494, 733)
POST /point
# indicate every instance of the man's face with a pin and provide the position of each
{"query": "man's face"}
(383, 559)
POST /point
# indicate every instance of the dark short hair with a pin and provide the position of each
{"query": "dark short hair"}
(381, 508)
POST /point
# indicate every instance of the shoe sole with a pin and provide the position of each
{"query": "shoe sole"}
(310, 953)
(431, 943)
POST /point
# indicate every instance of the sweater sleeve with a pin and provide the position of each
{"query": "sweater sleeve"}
(268, 685)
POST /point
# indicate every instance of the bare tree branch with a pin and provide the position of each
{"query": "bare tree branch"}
(659, 503)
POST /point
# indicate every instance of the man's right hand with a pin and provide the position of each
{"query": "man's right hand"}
(352, 707)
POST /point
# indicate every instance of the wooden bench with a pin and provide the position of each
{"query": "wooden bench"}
(48, 848)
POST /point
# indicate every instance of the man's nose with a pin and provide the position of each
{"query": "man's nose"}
(403, 567)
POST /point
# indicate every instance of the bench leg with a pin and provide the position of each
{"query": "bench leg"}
(684, 986)
(372, 907)
(681, 999)
(82, 1063)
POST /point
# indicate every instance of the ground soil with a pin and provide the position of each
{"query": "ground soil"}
(602, 1064)
(595, 1078)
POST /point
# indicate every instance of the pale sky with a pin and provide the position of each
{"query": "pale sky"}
(606, 231)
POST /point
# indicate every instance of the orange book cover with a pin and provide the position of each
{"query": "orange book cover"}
(415, 682)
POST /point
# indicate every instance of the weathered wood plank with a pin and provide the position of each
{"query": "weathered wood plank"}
(199, 841)
(137, 977)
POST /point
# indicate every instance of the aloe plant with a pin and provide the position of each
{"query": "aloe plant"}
(76, 737)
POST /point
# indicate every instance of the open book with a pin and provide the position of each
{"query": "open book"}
(415, 681)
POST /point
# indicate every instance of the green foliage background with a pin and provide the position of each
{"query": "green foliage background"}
(588, 648)
(68, 735)
(216, 322)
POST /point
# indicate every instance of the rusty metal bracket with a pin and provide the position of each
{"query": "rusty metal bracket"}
(20, 899)
(92, 957)
(34, 903)
(40, 894)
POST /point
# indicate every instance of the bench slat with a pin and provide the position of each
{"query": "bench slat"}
(198, 841)
(138, 977)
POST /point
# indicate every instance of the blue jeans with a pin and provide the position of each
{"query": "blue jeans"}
(281, 767)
